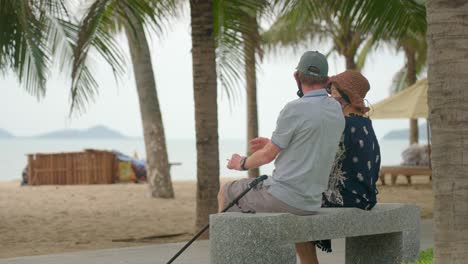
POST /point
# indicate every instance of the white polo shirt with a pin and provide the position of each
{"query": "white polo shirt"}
(308, 131)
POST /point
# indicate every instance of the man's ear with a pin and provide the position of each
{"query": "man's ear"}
(296, 76)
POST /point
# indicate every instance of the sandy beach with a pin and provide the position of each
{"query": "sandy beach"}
(52, 219)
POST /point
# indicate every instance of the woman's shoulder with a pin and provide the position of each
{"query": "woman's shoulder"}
(357, 118)
(359, 131)
(359, 124)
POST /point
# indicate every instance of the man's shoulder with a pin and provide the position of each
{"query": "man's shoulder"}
(291, 106)
(301, 103)
(293, 103)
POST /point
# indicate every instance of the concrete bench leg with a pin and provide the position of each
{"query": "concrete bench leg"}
(252, 253)
(391, 248)
(382, 249)
(234, 242)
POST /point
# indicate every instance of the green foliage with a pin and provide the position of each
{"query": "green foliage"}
(101, 19)
(32, 34)
(232, 19)
(425, 257)
(349, 24)
(105, 17)
(36, 34)
(302, 22)
(392, 17)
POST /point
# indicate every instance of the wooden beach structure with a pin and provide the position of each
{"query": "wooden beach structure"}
(407, 171)
(87, 167)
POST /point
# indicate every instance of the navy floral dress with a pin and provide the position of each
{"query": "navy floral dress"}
(355, 171)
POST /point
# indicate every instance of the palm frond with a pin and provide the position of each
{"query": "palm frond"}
(390, 17)
(232, 19)
(155, 14)
(23, 47)
(347, 23)
(102, 19)
(286, 33)
(385, 17)
(91, 33)
(364, 52)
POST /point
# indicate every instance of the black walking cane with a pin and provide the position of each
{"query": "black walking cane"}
(233, 202)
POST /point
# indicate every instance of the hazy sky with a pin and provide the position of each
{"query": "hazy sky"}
(117, 105)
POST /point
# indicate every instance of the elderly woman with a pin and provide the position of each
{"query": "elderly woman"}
(356, 168)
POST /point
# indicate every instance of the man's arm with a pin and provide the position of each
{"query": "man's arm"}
(258, 143)
(261, 157)
(281, 137)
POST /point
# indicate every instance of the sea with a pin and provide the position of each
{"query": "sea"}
(13, 153)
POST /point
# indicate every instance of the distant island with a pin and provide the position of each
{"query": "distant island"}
(96, 132)
(404, 133)
(101, 132)
(5, 134)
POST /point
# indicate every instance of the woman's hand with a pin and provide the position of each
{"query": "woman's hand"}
(258, 143)
(234, 162)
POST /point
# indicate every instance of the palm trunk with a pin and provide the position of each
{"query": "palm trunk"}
(350, 63)
(158, 175)
(411, 79)
(348, 43)
(448, 107)
(250, 45)
(414, 131)
(206, 108)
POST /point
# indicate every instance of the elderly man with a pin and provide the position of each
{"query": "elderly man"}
(304, 144)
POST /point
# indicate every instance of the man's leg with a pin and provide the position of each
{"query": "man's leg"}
(306, 252)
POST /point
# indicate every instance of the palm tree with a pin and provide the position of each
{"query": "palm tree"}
(105, 16)
(237, 46)
(218, 52)
(206, 107)
(414, 46)
(159, 177)
(447, 99)
(252, 48)
(251, 35)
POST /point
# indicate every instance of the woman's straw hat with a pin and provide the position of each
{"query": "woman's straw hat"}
(354, 85)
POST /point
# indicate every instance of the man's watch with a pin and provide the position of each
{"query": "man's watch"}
(242, 163)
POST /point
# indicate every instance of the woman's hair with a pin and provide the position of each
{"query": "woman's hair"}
(343, 95)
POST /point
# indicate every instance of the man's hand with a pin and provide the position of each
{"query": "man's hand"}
(234, 162)
(258, 143)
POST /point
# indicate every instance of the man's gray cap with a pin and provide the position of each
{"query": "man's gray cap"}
(313, 63)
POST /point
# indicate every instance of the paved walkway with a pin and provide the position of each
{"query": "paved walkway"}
(156, 254)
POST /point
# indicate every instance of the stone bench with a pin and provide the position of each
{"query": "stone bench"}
(389, 233)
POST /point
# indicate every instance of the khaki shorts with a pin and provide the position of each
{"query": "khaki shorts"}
(257, 200)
